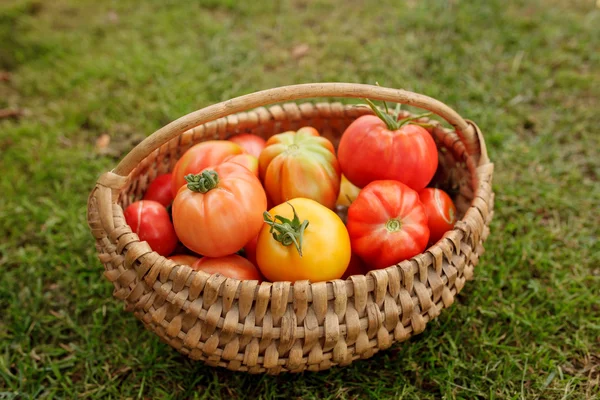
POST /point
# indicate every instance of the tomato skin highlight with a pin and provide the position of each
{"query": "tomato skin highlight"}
(160, 190)
(231, 266)
(300, 164)
(325, 246)
(369, 151)
(440, 210)
(252, 144)
(199, 157)
(387, 224)
(150, 220)
(245, 160)
(222, 220)
(184, 259)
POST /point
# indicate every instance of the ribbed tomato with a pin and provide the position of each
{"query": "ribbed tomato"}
(300, 164)
(387, 224)
(252, 144)
(377, 147)
(231, 266)
(160, 190)
(200, 157)
(441, 212)
(150, 220)
(219, 210)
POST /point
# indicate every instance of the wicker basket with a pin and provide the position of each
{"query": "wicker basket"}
(277, 327)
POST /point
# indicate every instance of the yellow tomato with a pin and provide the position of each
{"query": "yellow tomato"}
(348, 192)
(312, 243)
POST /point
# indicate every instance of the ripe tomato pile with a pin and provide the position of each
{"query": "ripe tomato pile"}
(211, 211)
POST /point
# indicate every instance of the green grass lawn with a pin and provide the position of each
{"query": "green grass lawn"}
(527, 72)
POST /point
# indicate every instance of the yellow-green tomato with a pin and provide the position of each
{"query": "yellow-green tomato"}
(302, 240)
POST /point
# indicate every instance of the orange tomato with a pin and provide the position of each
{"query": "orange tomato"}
(184, 259)
(231, 266)
(245, 160)
(219, 210)
(200, 157)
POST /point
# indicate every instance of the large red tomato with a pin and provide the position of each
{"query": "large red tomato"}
(150, 220)
(378, 148)
(219, 210)
(300, 164)
(231, 266)
(200, 157)
(160, 190)
(252, 144)
(441, 212)
(250, 250)
(356, 267)
(387, 224)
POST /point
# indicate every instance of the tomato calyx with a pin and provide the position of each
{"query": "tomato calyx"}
(202, 182)
(390, 121)
(287, 231)
(393, 225)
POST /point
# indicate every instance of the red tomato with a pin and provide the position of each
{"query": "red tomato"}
(250, 249)
(160, 190)
(245, 160)
(387, 224)
(199, 157)
(252, 144)
(185, 259)
(379, 148)
(231, 266)
(150, 220)
(356, 267)
(441, 212)
(219, 210)
(300, 164)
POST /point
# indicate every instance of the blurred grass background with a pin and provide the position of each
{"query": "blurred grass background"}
(527, 72)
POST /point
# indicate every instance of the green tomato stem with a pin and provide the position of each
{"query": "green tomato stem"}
(393, 225)
(202, 182)
(287, 231)
(391, 123)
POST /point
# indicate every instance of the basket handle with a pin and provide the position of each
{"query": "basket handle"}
(468, 132)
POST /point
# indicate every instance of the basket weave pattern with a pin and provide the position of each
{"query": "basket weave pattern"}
(277, 327)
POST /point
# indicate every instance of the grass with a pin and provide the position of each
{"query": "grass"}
(527, 327)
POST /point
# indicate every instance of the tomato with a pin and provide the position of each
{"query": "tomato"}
(300, 164)
(219, 210)
(387, 224)
(348, 192)
(250, 249)
(160, 190)
(252, 144)
(245, 160)
(356, 267)
(317, 249)
(185, 259)
(441, 212)
(200, 157)
(379, 148)
(231, 266)
(150, 220)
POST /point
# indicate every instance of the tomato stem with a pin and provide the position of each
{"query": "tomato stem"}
(412, 119)
(202, 182)
(391, 123)
(393, 225)
(287, 231)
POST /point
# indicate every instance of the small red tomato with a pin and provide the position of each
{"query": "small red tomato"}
(440, 210)
(160, 190)
(245, 160)
(184, 259)
(150, 220)
(387, 224)
(356, 267)
(250, 249)
(252, 144)
(231, 266)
